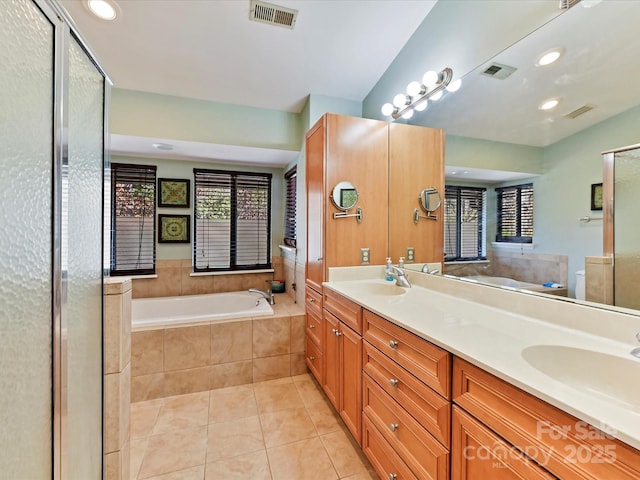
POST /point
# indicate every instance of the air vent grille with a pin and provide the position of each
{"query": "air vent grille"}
(497, 70)
(567, 4)
(579, 111)
(273, 14)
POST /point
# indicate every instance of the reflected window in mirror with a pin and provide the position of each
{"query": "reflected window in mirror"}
(464, 223)
(515, 214)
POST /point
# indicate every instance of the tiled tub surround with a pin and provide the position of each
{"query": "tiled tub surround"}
(174, 277)
(117, 377)
(194, 358)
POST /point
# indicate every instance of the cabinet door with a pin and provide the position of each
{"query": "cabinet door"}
(315, 153)
(478, 453)
(331, 383)
(351, 380)
(416, 161)
(357, 152)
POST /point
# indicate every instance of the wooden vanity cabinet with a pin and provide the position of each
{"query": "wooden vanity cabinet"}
(405, 400)
(343, 360)
(564, 446)
(314, 334)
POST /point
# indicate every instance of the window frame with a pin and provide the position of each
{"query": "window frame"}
(290, 207)
(115, 167)
(233, 235)
(520, 189)
(481, 223)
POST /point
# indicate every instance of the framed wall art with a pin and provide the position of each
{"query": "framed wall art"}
(596, 196)
(173, 192)
(174, 228)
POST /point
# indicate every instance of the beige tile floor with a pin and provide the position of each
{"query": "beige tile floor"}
(282, 429)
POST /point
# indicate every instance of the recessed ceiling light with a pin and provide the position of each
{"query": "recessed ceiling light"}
(549, 104)
(104, 9)
(549, 57)
(163, 146)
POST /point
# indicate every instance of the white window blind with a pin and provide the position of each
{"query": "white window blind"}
(464, 223)
(515, 214)
(133, 200)
(232, 228)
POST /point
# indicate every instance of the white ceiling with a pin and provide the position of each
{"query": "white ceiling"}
(208, 49)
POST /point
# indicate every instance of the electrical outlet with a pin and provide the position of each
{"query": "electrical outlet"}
(411, 254)
(364, 256)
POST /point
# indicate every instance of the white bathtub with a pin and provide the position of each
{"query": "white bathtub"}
(149, 313)
(510, 282)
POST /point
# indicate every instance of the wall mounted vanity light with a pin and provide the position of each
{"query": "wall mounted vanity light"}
(432, 87)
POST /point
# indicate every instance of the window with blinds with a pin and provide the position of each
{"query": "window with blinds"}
(232, 226)
(515, 214)
(290, 179)
(464, 223)
(133, 212)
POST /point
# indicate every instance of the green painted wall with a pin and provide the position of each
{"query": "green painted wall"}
(152, 115)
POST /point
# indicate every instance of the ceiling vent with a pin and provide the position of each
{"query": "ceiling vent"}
(567, 4)
(273, 14)
(579, 111)
(497, 70)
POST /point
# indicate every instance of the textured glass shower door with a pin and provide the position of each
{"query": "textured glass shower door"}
(626, 235)
(26, 190)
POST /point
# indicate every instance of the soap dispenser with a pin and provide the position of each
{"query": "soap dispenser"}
(401, 262)
(389, 271)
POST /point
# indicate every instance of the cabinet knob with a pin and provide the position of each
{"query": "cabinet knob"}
(311, 326)
(319, 259)
(393, 427)
(312, 358)
(311, 300)
(337, 332)
(393, 382)
(393, 343)
(393, 476)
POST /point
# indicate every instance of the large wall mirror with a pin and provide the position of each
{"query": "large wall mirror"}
(499, 135)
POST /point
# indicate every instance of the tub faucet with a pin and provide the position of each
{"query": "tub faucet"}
(268, 296)
(636, 351)
(425, 269)
(401, 278)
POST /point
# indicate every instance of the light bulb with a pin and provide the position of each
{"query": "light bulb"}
(421, 106)
(549, 104)
(387, 109)
(436, 96)
(430, 78)
(102, 9)
(455, 85)
(408, 114)
(413, 89)
(400, 100)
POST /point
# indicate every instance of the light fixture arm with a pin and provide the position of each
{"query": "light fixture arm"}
(446, 75)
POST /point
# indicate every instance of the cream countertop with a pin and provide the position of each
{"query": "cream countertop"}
(438, 310)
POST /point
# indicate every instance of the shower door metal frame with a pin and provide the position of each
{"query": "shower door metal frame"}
(64, 31)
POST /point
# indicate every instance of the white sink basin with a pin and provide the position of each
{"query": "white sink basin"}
(609, 376)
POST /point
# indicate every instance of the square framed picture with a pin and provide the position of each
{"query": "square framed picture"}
(174, 228)
(173, 192)
(596, 196)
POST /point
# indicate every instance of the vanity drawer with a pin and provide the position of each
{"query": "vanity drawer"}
(314, 327)
(313, 301)
(384, 460)
(430, 364)
(430, 409)
(347, 311)
(565, 445)
(426, 457)
(314, 359)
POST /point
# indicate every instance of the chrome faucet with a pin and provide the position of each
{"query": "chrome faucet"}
(268, 296)
(636, 351)
(425, 269)
(401, 278)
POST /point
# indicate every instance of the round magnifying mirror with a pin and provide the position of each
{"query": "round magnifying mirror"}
(344, 196)
(430, 199)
